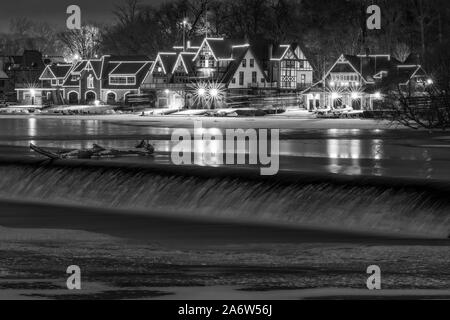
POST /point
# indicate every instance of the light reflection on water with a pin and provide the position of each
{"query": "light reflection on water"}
(348, 151)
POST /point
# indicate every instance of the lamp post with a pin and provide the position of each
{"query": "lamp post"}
(184, 34)
(201, 93)
(213, 93)
(33, 95)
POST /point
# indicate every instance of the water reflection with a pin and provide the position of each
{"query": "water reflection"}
(345, 155)
(347, 151)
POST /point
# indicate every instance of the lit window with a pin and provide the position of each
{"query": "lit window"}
(241, 78)
(90, 82)
(122, 81)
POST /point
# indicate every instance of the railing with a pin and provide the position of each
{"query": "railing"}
(267, 85)
(173, 86)
(275, 85)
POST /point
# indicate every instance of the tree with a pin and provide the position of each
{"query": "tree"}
(84, 43)
(431, 111)
(401, 52)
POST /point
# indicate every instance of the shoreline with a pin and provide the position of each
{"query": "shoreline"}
(268, 122)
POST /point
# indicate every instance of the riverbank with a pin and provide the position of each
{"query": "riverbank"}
(269, 122)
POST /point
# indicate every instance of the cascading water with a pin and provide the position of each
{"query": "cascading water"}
(379, 208)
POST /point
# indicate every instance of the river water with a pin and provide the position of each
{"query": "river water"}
(379, 183)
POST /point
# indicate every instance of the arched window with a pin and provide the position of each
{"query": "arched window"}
(90, 82)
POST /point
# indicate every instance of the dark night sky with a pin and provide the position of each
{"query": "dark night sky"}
(54, 11)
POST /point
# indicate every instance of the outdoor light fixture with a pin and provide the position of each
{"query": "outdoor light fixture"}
(167, 91)
(208, 93)
(430, 82)
(97, 103)
(335, 95)
(332, 83)
(33, 92)
(355, 95)
(201, 92)
(214, 92)
(377, 95)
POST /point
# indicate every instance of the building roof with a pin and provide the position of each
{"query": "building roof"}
(185, 58)
(127, 68)
(3, 75)
(139, 70)
(238, 54)
(56, 71)
(366, 65)
(166, 60)
(378, 71)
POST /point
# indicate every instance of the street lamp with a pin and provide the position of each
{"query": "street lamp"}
(184, 33)
(214, 93)
(377, 95)
(355, 95)
(335, 95)
(33, 95)
(201, 92)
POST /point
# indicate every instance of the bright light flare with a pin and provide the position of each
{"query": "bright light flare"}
(335, 95)
(208, 92)
(214, 93)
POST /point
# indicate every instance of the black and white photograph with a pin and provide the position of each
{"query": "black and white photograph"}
(244, 152)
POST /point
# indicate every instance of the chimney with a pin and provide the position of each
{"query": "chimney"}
(188, 45)
(270, 51)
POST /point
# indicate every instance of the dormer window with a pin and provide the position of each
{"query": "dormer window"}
(122, 80)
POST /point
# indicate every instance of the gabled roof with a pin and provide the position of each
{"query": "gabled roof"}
(127, 68)
(140, 75)
(97, 67)
(56, 71)
(185, 60)
(166, 60)
(402, 74)
(380, 71)
(280, 51)
(3, 75)
(367, 66)
(220, 48)
(239, 53)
